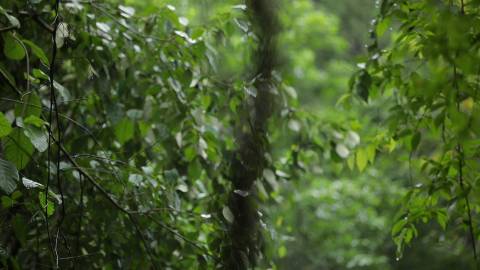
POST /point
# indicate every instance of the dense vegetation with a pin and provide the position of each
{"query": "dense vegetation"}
(250, 134)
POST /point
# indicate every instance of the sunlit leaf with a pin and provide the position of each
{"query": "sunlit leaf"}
(5, 126)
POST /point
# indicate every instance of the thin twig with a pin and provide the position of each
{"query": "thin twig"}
(109, 198)
(179, 235)
(8, 28)
(460, 154)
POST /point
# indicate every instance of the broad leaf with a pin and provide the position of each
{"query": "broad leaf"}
(124, 130)
(37, 51)
(12, 48)
(38, 137)
(362, 159)
(8, 176)
(17, 148)
(5, 126)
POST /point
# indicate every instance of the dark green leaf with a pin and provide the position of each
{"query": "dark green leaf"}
(124, 130)
(37, 51)
(8, 176)
(17, 148)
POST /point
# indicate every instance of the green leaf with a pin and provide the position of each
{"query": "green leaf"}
(362, 159)
(399, 225)
(34, 120)
(38, 137)
(415, 141)
(351, 162)
(39, 74)
(363, 85)
(282, 251)
(344, 99)
(37, 51)
(124, 130)
(371, 152)
(7, 202)
(8, 176)
(442, 219)
(8, 76)
(382, 26)
(190, 153)
(5, 126)
(17, 148)
(48, 204)
(12, 48)
(31, 106)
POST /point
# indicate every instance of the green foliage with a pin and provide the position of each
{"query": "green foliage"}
(347, 233)
(5, 126)
(13, 48)
(429, 79)
(129, 133)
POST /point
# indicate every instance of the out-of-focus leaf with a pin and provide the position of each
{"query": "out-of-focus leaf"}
(363, 85)
(362, 159)
(46, 203)
(341, 150)
(124, 130)
(5, 126)
(8, 176)
(30, 183)
(37, 51)
(20, 228)
(415, 141)
(17, 148)
(12, 48)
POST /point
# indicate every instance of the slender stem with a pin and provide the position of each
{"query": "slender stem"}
(460, 176)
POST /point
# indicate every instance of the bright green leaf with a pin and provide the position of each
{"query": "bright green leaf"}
(124, 130)
(5, 126)
(34, 120)
(46, 203)
(362, 159)
(12, 48)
